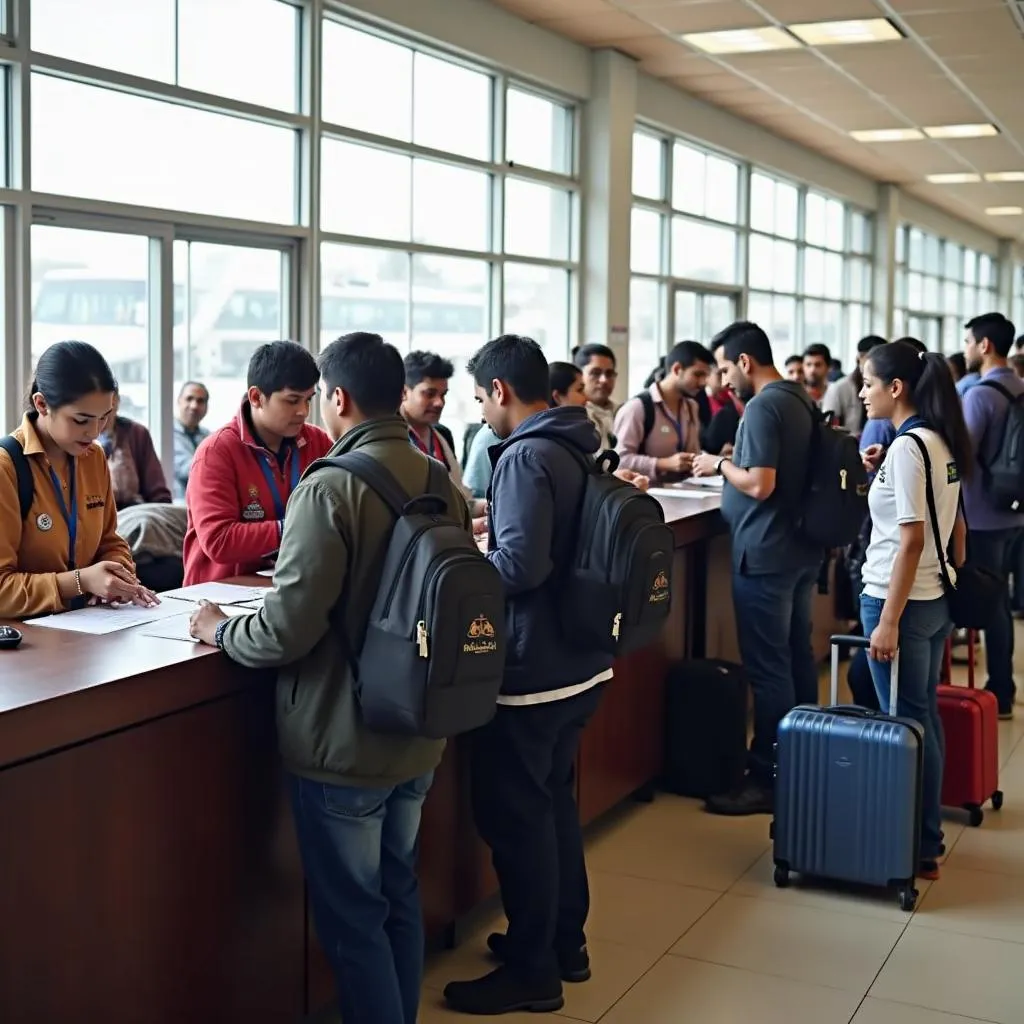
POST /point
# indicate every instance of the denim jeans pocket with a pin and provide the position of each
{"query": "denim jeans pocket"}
(353, 801)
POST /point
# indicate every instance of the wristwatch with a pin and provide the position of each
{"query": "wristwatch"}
(718, 464)
(218, 636)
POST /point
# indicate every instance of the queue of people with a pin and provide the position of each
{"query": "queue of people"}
(262, 492)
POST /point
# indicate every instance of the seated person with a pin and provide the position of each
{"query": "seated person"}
(64, 550)
(244, 473)
(658, 431)
(134, 466)
(193, 403)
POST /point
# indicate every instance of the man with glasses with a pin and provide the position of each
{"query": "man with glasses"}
(599, 377)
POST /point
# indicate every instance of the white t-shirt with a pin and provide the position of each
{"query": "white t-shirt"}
(898, 496)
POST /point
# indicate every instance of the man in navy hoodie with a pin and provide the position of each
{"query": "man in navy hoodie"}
(522, 771)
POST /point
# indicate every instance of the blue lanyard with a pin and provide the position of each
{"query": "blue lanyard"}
(677, 423)
(911, 424)
(270, 476)
(68, 509)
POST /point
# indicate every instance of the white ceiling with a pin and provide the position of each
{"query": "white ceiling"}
(962, 61)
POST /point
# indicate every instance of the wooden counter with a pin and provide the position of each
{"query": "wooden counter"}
(148, 868)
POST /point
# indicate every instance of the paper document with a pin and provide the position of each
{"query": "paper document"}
(676, 492)
(269, 573)
(716, 482)
(176, 627)
(218, 593)
(106, 618)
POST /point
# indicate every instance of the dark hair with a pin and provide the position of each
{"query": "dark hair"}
(367, 369)
(996, 328)
(957, 364)
(1020, 343)
(930, 388)
(193, 384)
(818, 350)
(421, 366)
(561, 377)
(280, 365)
(517, 361)
(686, 353)
(790, 360)
(916, 344)
(744, 338)
(68, 371)
(869, 342)
(582, 354)
(658, 373)
(1017, 362)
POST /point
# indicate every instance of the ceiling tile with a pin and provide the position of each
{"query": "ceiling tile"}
(684, 63)
(796, 11)
(535, 10)
(598, 29)
(714, 17)
(967, 26)
(918, 6)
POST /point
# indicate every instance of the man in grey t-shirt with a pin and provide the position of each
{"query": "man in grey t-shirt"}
(774, 567)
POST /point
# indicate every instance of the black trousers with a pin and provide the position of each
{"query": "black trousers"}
(524, 802)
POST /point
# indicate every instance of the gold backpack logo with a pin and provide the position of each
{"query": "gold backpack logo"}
(659, 589)
(480, 637)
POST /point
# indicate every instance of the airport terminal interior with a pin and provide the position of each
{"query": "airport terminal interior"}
(185, 180)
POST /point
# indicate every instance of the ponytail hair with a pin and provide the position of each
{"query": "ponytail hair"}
(930, 389)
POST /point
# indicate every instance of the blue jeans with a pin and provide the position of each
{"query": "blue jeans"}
(924, 627)
(773, 622)
(358, 849)
(994, 549)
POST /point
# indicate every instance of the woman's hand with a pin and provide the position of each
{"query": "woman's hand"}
(872, 457)
(884, 641)
(111, 581)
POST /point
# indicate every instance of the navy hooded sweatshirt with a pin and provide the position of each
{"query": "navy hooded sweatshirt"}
(535, 497)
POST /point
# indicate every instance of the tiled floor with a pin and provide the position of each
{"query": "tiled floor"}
(687, 926)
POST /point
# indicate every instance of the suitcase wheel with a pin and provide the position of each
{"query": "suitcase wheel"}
(908, 898)
(997, 800)
(781, 876)
(975, 815)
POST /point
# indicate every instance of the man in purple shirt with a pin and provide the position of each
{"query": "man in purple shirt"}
(993, 533)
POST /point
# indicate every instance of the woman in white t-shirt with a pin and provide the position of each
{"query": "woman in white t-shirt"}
(903, 604)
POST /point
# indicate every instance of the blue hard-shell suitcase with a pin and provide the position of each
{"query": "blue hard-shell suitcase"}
(848, 792)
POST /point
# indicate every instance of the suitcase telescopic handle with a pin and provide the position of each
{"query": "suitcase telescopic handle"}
(840, 640)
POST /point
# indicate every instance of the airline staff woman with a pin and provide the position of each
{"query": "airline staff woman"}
(65, 551)
(903, 604)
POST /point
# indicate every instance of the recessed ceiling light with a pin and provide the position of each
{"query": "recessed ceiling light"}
(839, 33)
(1004, 211)
(954, 179)
(961, 131)
(1005, 176)
(742, 40)
(887, 135)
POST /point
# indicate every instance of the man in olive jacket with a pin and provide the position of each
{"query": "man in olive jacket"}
(356, 795)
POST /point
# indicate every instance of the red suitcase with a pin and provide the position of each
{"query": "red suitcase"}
(970, 719)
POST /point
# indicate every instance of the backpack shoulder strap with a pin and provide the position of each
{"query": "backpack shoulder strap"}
(22, 472)
(1004, 391)
(647, 402)
(587, 464)
(933, 514)
(376, 476)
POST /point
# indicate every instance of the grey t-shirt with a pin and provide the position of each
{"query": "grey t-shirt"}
(774, 433)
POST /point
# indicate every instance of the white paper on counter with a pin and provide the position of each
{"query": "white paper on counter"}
(675, 492)
(176, 627)
(103, 618)
(218, 593)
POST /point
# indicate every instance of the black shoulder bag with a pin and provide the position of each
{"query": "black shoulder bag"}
(977, 592)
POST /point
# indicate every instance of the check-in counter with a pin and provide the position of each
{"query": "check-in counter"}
(148, 867)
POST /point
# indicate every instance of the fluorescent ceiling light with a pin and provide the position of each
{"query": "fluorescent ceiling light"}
(839, 33)
(1004, 211)
(1005, 176)
(742, 40)
(887, 135)
(961, 131)
(954, 179)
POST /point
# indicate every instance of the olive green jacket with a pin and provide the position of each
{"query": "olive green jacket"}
(336, 532)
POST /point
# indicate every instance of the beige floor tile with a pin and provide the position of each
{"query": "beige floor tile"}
(434, 1011)
(975, 903)
(959, 974)
(678, 990)
(807, 944)
(997, 846)
(675, 840)
(758, 882)
(616, 968)
(641, 913)
(878, 1011)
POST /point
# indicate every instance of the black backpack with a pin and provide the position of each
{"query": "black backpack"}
(617, 587)
(22, 473)
(650, 414)
(1004, 475)
(433, 656)
(835, 498)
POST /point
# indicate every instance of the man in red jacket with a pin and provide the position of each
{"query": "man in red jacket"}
(244, 473)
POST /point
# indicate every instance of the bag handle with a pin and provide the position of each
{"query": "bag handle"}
(843, 640)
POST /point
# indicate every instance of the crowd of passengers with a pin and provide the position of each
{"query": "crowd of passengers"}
(716, 409)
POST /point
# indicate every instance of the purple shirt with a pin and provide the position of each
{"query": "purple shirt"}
(985, 414)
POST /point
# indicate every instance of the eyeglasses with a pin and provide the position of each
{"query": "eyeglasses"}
(595, 374)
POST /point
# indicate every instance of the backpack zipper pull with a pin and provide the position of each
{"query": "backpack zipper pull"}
(421, 639)
(616, 622)
(842, 479)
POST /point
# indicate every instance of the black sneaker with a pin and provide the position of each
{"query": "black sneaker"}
(574, 966)
(751, 798)
(502, 991)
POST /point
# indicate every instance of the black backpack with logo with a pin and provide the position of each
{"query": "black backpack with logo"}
(617, 587)
(1004, 474)
(835, 499)
(433, 657)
